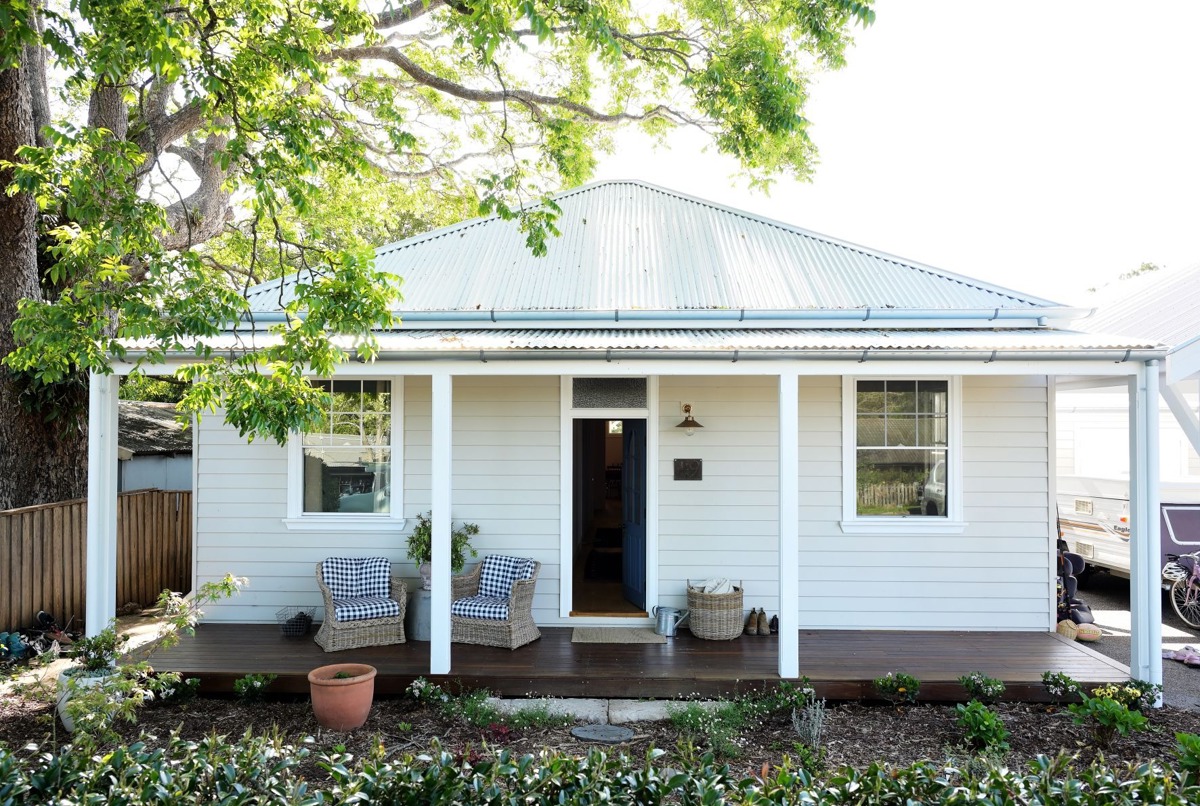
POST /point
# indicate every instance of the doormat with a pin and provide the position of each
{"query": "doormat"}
(616, 635)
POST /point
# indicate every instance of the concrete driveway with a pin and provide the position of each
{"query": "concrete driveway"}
(1108, 596)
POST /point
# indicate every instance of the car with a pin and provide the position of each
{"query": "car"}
(933, 491)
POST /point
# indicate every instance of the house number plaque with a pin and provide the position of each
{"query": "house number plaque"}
(689, 469)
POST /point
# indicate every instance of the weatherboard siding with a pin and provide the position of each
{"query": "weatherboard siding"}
(505, 464)
(993, 574)
(726, 524)
(506, 459)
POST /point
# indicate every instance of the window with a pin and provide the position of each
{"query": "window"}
(349, 467)
(901, 446)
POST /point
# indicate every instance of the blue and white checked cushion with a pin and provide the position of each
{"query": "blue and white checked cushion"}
(349, 578)
(488, 607)
(498, 574)
(359, 608)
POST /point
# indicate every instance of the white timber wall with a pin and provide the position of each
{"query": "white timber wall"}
(506, 478)
(992, 576)
(727, 524)
(505, 460)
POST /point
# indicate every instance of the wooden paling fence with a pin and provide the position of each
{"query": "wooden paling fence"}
(43, 555)
(897, 494)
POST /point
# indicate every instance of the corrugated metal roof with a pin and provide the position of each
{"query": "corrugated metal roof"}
(751, 340)
(782, 341)
(627, 245)
(1162, 305)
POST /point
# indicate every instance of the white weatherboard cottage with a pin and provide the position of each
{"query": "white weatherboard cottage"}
(876, 446)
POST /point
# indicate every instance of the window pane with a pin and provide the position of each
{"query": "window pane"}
(932, 431)
(909, 481)
(870, 397)
(608, 393)
(347, 479)
(377, 429)
(901, 431)
(901, 397)
(347, 464)
(871, 430)
(931, 397)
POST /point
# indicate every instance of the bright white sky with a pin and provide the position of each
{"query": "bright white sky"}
(1044, 146)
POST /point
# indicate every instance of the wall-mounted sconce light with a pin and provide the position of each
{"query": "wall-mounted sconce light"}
(689, 424)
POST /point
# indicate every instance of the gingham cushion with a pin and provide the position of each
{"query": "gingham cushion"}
(488, 607)
(359, 608)
(498, 574)
(349, 578)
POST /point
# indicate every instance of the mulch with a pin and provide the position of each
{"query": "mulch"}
(855, 733)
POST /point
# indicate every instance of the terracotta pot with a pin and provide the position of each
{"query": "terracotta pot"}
(342, 703)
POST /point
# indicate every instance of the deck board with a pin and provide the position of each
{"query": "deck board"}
(840, 663)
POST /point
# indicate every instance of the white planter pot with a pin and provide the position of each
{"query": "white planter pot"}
(76, 679)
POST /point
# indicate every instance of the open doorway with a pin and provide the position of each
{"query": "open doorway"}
(609, 557)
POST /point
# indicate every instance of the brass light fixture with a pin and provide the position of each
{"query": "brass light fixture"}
(689, 424)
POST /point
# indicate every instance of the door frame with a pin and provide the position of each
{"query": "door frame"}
(566, 549)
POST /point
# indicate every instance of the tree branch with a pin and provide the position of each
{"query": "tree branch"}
(529, 99)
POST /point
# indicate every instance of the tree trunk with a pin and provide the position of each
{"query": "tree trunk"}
(39, 461)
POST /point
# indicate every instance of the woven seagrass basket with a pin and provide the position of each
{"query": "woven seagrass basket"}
(715, 616)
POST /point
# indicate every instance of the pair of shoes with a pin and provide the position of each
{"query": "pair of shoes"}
(752, 622)
(1189, 656)
(764, 627)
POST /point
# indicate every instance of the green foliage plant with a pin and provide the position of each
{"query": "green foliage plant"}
(99, 652)
(253, 687)
(420, 543)
(1060, 686)
(898, 688)
(982, 727)
(987, 690)
(265, 770)
(96, 710)
(1187, 755)
(1136, 694)
(1107, 718)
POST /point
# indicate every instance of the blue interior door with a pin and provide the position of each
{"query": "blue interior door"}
(633, 512)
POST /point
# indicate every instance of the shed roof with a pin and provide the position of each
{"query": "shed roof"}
(1161, 305)
(628, 245)
(146, 428)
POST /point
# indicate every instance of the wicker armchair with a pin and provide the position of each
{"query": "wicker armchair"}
(367, 618)
(478, 615)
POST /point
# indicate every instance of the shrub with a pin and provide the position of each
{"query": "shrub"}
(252, 687)
(1187, 752)
(472, 708)
(716, 726)
(809, 722)
(1107, 718)
(1060, 686)
(898, 688)
(1136, 694)
(979, 686)
(982, 726)
(426, 693)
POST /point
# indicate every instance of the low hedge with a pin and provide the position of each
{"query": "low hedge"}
(265, 771)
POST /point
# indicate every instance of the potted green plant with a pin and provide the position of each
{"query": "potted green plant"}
(342, 694)
(96, 657)
(420, 546)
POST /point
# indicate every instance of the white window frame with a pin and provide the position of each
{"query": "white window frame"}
(852, 522)
(299, 520)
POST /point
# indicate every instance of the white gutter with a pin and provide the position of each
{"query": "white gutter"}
(945, 315)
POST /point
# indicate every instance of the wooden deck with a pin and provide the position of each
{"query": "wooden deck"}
(840, 663)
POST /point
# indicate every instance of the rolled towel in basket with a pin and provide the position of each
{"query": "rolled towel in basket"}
(720, 585)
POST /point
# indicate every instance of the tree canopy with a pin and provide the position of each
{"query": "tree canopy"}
(179, 151)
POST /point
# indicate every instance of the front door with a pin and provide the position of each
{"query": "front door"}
(633, 512)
